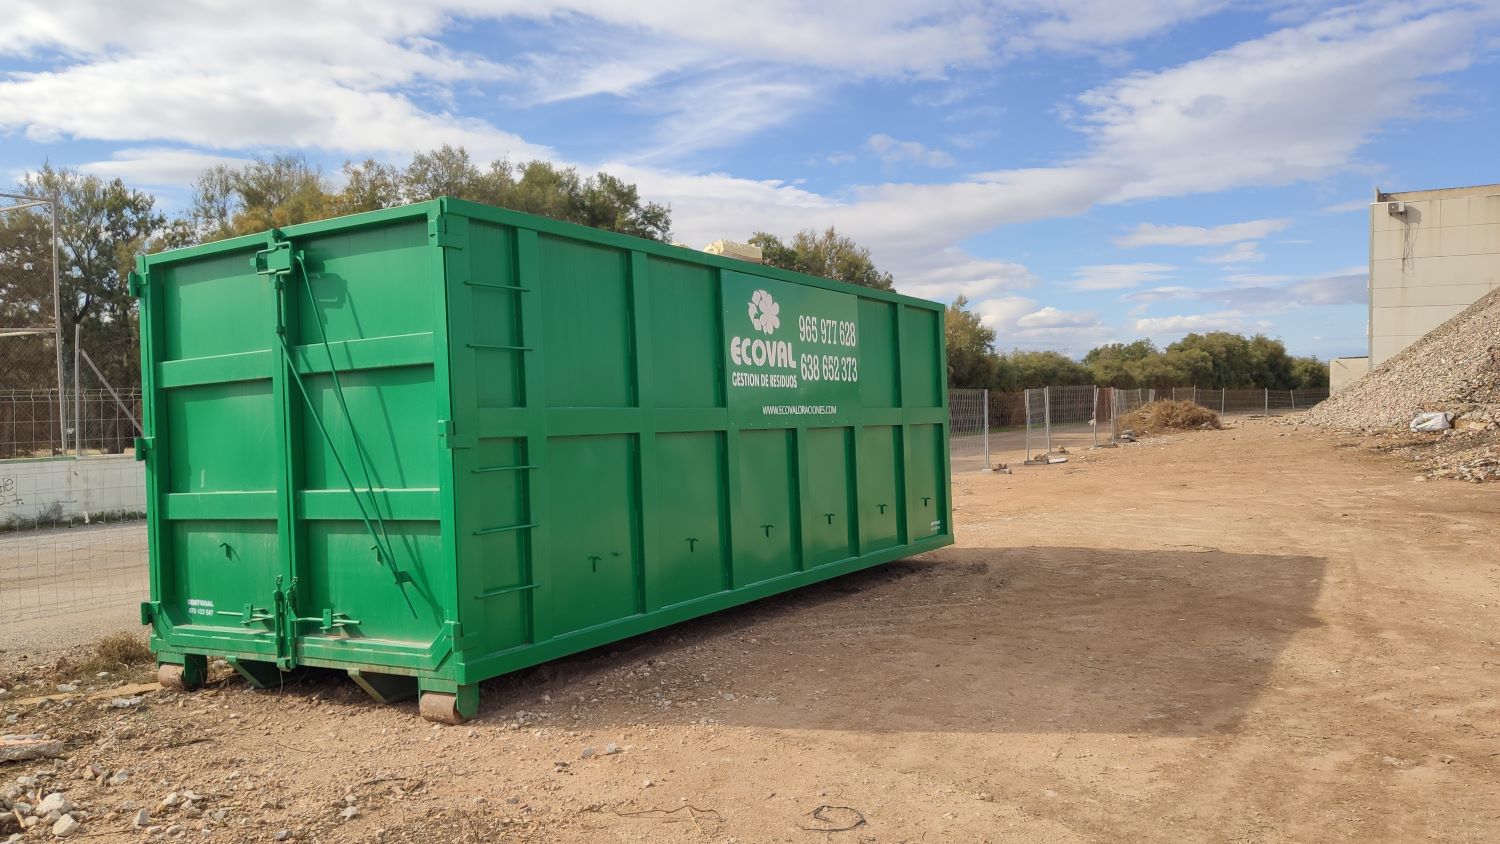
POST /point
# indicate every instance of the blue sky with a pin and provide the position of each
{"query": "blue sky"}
(1084, 171)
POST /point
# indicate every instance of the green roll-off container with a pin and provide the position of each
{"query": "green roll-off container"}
(434, 444)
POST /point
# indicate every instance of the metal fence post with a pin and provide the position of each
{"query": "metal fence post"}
(1047, 416)
(1026, 400)
(1094, 417)
(1267, 411)
(1293, 395)
(986, 398)
(77, 395)
(1222, 394)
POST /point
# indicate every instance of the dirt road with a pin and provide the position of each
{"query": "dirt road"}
(1245, 635)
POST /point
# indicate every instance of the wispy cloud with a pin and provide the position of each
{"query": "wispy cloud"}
(1150, 234)
(1119, 276)
(1240, 253)
(892, 151)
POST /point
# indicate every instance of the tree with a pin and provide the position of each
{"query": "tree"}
(829, 254)
(1111, 362)
(369, 186)
(1309, 373)
(286, 189)
(1031, 369)
(971, 348)
(101, 227)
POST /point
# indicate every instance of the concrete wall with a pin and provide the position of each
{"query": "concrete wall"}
(1430, 263)
(1345, 371)
(68, 489)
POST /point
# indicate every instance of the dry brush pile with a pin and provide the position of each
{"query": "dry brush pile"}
(1169, 415)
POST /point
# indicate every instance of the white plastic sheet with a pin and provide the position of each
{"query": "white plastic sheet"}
(1440, 421)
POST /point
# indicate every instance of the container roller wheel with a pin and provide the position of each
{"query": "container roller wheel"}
(178, 678)
(441, 708)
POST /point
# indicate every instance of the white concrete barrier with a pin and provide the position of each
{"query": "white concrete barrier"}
(65, 489)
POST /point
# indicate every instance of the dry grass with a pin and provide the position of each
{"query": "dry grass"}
(116, 652)
(1169, 415)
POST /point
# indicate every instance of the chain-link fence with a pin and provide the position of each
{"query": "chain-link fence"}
(968, 430)
(1044, 424)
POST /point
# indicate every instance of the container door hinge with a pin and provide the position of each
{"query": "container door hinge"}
(148, 612)
(137, 282)
(275, 261)
(448, 431)
(142, 447)
(449, 232)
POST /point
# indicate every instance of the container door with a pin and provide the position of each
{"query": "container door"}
(767, 544)
(690, 514)
(374, 576)
(595, 568)
(828, 526)
(215, 538)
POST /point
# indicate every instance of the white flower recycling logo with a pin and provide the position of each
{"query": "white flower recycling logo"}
(765, 314)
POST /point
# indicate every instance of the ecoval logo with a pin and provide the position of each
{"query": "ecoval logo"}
(765, 317)
(765, 314)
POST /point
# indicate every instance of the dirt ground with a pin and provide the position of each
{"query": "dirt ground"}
(1257, 634)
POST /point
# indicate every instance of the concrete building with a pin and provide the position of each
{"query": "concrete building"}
(1432, 254)
(1345, 371)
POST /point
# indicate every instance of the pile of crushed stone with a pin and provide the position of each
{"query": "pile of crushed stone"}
(1454, 368)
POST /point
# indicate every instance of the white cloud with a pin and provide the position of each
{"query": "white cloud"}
(1020, 324)
(892, 151)
(1080, 24)
(1291, 106)
(1186, 323)
(954, 275)
(1347, 207)
(1150, 234)
(158, 166)
(1270, 294)
(1240, 253)
(1119, 276)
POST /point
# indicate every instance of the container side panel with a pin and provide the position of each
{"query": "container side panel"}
(879, 368)
(880, 507)
(496, 317)
(595, 532)
(828, 512)
(688, 367)
(351, 581)
(394, 429)
(925, 482)
(502, 598)
(228, 441)
(690, 510)
(920, 349)
(587, 324)
(368, 282)
(216, 306)
(766, 529)
(218, 567)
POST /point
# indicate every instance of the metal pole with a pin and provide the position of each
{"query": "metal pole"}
(1222, 394)
(1047, 415)
(1293, 394)
(112, 394)
(1095, 420)
(57, 336)
(77, 397)
(1267, 411)
(985, 396)
(1026, 400)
